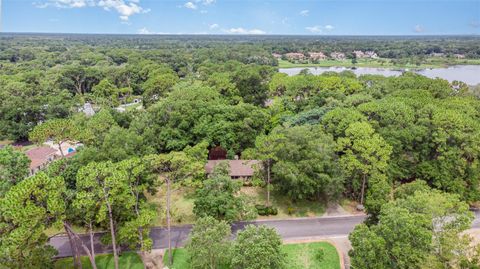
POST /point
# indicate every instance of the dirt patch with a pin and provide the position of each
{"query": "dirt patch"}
(154, 259)
(475, 234)
(334, 209)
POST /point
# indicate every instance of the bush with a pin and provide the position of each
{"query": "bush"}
(247, 183)
(263, 210)
(319, 254)
(209, 244)
(258, 248)
(290, 210)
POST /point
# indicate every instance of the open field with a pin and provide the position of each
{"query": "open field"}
(382, 63)
(128, 260)
(298, 256)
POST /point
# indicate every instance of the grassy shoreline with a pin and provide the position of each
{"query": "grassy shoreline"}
(379, 63)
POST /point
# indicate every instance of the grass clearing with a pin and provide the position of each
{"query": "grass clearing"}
(286, 208)
(305, 256)
(183, 201)
(298, 256)
(182, 205)
(128, 260)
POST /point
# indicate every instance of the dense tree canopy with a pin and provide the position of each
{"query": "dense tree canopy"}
(145, 110)
(414, 231)
(26, 211)
(14, 167)
(193, 113)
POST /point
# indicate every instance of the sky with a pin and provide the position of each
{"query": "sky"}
(289, 17)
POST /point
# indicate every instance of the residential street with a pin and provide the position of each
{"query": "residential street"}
(322, 227)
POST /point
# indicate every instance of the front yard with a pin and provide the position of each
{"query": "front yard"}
(298, 256)
(183, 199)
(128, 260)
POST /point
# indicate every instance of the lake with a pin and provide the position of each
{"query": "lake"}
(469, 74)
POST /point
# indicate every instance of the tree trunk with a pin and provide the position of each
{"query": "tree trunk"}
(112, 233)
(77, 263)
(60, 148)
(170, 259)
(268, 183)
(87, 251)
(140, 230)
(363, 188)
(92, 248)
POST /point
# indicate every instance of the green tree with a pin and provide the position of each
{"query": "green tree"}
(26, 211)
(193, 113)
(106, 93)
(420, 229)
(26, 99)
(378, 194)
(14, 166)
(58, 130)
(158, 85)
(219, 197)
(141, 180)
(121, 144)
(306, 164)
(209, 244)
(363, 154)
(175, 167)
(258, 248)
(265, 148)
(102, 186)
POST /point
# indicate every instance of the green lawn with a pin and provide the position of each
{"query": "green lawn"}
(299, 256)
(128, 260)
(303, 256)
(286, 208)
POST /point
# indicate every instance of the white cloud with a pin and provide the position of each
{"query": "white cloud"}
(213, 26)
(304, 12)
(208, 2)
(418, 29)
(125, 8)
(190, 5)
(314, 29)
(65, 3)
(318, 29)
(243, 31)
(145, 31)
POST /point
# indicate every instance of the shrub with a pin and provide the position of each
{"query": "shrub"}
(319, 254)
(263, 210)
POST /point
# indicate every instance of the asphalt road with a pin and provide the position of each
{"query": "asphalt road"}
(289, 229)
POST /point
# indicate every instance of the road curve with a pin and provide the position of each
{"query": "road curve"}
(288, 229)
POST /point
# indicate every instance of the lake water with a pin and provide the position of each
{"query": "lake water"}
(469, 74)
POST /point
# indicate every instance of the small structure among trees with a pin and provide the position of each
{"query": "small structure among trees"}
(238, 169)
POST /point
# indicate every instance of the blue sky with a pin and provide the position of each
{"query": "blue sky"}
(340, 17)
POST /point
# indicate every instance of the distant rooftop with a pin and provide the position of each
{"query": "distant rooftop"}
(238, 168)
